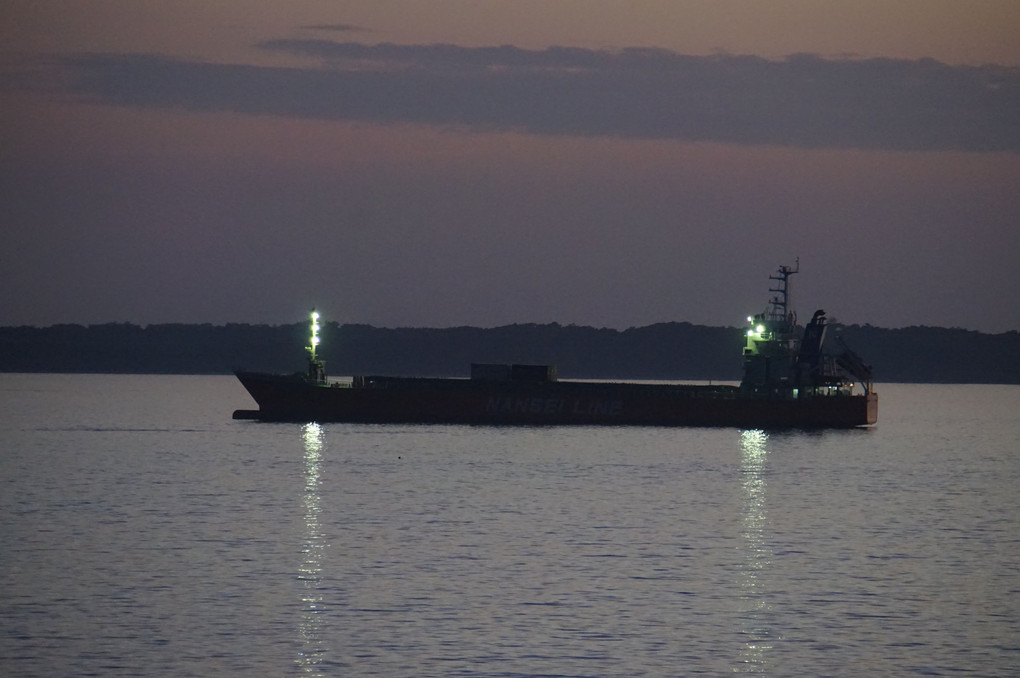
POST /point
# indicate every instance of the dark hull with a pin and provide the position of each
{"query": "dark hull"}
(463, 401)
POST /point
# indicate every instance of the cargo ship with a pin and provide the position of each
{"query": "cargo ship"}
(791, 379)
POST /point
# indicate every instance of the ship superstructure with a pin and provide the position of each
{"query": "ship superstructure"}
(783, 359)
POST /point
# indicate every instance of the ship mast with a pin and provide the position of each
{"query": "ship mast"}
(780, 304)
(771, 350)
(316, 367)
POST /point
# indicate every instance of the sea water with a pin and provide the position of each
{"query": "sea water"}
(145, 533)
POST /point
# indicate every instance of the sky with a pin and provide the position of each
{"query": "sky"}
(451, 162)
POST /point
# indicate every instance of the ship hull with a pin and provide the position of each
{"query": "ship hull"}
(464, 401)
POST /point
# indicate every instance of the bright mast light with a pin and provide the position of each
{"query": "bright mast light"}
(315, 332)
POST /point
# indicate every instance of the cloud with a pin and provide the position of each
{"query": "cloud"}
(338, 28)
(801, 101)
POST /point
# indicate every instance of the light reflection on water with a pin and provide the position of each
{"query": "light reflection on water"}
(310, 573)
(757, 554)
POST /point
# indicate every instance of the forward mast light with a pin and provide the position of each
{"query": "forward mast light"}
(315, 333)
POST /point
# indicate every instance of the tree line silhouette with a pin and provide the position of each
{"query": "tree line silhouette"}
(661, 351)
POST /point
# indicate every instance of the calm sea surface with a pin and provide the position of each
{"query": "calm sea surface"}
(145, 533)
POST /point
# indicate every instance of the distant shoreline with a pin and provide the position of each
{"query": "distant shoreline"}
(674, 351)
